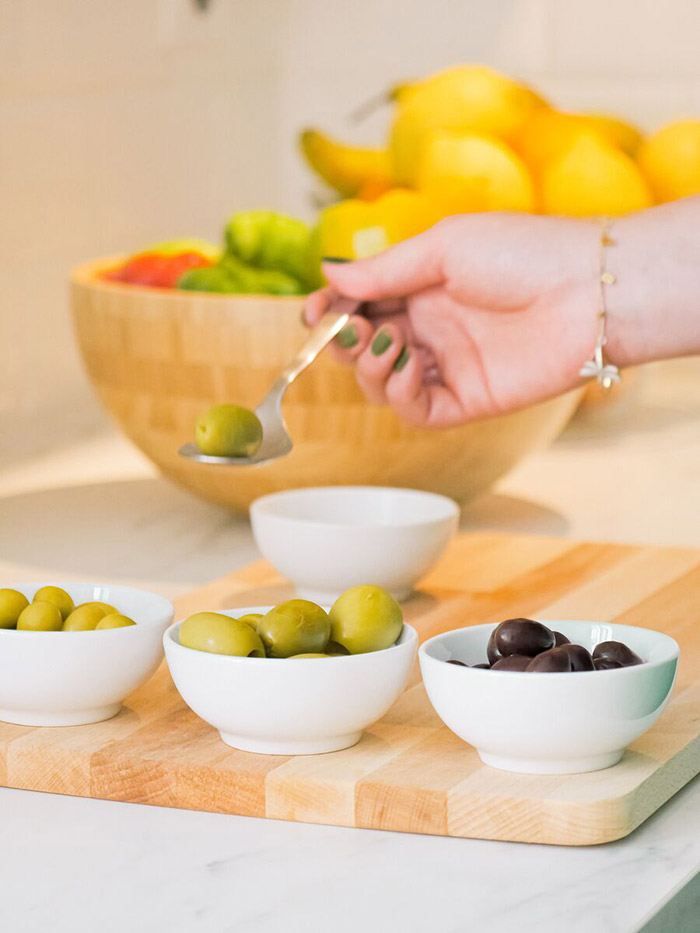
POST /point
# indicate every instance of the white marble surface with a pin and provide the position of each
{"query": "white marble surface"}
(77, 865)
(98, 511)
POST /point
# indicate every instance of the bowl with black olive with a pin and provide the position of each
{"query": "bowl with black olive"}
(70, 653)
(549, 697)
(297, 678)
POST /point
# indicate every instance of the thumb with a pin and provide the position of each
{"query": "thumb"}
(408, 267)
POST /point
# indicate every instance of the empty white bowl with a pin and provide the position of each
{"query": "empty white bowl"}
(73, 678)
(328, 539)
(284, 706)
(541, 723)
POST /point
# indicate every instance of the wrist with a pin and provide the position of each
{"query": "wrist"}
(653, 308)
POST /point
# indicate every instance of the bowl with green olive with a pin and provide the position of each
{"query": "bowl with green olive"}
(297, 678)
(71, 652)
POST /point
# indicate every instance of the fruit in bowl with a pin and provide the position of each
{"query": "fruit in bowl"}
(608, 685)
(363, 619)
(52, 610)
(264, 253)
(271, 706)
(57, 671)
(158, 358)
(469, 138)
(529, 646)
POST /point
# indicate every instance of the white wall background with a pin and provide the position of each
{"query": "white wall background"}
(123, 122)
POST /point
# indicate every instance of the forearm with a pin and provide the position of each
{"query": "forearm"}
(654, 305)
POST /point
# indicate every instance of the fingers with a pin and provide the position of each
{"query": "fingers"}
(421, 404)
(377, 361)
(316, 305)
(408, 267)
(352, 340)
(397, 377)
(396, 373)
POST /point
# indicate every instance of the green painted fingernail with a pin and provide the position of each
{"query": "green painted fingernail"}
(336, 259)
(347, 337)
(401, 360)
(381, 343)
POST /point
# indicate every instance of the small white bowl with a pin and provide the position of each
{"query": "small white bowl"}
(74, 678)
(540, 723)
(280, 706)
(328, 539)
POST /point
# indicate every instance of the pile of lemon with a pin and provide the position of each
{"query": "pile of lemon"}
(471, 139)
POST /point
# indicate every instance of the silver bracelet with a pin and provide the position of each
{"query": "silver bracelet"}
(598, 368)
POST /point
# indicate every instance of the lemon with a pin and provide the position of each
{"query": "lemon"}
(548, 134)
(474, 172)
(466, 98)
(405, 213)
(622, 134)
(593, 178)
(670, 159)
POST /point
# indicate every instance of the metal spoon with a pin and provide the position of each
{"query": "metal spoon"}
(276, 441)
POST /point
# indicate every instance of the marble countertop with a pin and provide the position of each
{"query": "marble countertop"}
(97, 510)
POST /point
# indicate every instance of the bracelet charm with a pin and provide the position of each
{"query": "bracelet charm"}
(599, 368)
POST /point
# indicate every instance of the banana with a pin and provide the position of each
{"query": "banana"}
(345, 168)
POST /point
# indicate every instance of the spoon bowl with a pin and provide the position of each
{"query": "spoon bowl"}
(276, 441)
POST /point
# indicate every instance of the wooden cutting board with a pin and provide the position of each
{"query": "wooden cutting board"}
(409, 773)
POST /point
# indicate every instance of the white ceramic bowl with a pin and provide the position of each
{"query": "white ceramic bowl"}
(290, 707)
(73, 678)
(549, 723)
(328, 539)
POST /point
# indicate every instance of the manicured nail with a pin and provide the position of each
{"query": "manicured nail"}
(401, 359)
(335, 259)
(381, 343)
(347, 337)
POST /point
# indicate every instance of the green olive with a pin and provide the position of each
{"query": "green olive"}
(333, 649)
(105, 607)
(228, 431)
(220, 634)
(12, 602)
(252, 619)
(57, 596)
(40, 616)
(365, 618)
(308, 655)
(295, 627)
(114, 620)
(84, 618)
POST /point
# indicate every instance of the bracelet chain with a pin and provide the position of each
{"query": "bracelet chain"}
(599, 368)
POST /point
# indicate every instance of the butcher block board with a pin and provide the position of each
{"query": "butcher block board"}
(409, 772)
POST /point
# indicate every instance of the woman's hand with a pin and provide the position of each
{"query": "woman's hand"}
(482, 314)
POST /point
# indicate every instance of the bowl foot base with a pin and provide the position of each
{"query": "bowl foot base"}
(554, 766)
(79, 717)
(331, 743)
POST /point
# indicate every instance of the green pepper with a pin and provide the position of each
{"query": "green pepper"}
(273, 242)
(260, 281)
(313, 276)
(209, 279)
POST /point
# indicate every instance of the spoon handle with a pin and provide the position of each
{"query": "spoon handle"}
(330, 324)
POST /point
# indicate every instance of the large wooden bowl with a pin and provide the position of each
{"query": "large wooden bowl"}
(159, 358)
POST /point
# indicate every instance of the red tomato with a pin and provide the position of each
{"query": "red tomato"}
(156, 269)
